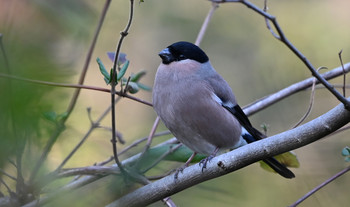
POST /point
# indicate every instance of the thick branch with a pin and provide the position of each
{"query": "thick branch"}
(239, 158)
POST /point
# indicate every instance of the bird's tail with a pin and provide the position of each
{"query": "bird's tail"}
(271, 161)
(279, 167)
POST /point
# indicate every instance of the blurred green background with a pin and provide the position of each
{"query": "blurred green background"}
(48, 40)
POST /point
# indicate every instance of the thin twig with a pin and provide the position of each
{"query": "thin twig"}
(206, 23)
(88, 57)
(12, 162)
(149, 141)
(137, 142)
(67, 85)
(60, 126)
(153, 131)
(105, 161)
(311, 102)
(126, 86)
(90, 170)
(335, 86)
(87, 134)
(8, 175)
(268, 23)
(344, 74)
(160, 158)
(284, 39)
(157, 177)
(7, 187)
(170, 203)
(320, 186)
(123, 34)
(344, 128)
(117, 133)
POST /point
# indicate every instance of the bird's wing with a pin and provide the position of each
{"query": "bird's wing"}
(244, 121)
(254, 135)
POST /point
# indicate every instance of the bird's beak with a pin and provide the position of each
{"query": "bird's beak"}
(166, 56)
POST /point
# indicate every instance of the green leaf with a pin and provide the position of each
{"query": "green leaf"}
(133, 87)
(123, 70)
(346, 151)
(62, 116)
(51, 116)
(144, 87)
(110, 75)
(103, 71)
(136, 77)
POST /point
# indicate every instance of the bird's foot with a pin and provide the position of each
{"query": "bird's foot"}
(178, 170)
(205, 161)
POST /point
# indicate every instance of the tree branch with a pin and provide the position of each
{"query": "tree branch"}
(290, 90)
(239, 158)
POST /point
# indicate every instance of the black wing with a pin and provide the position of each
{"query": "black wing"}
(244, 121)
(255, 135)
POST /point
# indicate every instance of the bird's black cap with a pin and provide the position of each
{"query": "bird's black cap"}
(182, 51)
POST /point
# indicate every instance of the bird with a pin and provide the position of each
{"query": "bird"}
(199, 108)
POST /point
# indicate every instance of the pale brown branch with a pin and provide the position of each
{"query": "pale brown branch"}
(290, 90)
(206, 23)
(311, 102)
(90, 170)
(137, 142)
(344, 74)
(67, 85)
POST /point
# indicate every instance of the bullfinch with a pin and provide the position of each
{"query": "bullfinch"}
(197, 105)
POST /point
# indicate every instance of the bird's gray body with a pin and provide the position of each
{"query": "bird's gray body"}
(201, 132)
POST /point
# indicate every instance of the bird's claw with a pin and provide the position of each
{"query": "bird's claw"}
(205, 161)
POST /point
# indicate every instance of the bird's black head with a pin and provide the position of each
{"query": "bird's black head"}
(182, 51)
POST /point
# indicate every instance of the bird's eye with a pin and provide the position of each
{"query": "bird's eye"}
(182, 57)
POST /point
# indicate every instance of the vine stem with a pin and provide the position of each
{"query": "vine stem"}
(123, 34)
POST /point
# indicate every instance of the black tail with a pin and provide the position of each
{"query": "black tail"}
(272, 162)
(279, 168)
